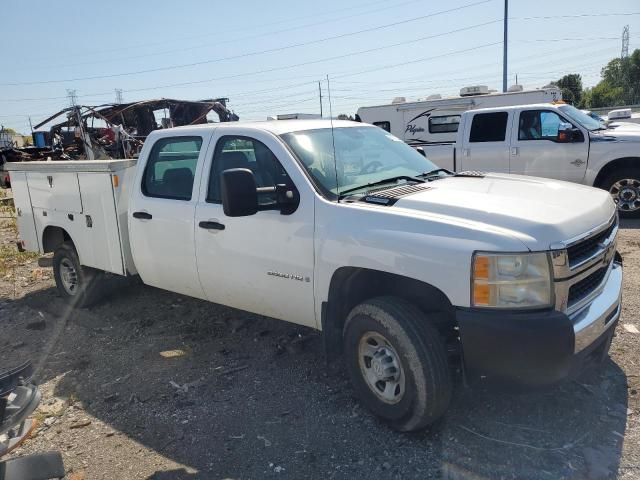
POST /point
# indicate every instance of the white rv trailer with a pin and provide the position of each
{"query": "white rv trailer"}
(435, 119)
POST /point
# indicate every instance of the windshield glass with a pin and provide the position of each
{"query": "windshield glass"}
(363, 155)
(580, 117)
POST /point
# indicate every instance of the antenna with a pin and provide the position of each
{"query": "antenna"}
(625, 42)
(333, 139)
(320, 93)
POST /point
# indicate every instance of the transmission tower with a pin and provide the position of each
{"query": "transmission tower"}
(118, 95)
(625, 42)
(72, 96)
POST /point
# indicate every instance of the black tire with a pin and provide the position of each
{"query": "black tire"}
(87, 289)
(422, 355)
(622, 175)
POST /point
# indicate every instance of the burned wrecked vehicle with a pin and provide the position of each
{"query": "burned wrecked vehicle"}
(113, 131)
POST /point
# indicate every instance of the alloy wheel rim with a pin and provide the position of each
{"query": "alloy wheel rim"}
(381, 368)
(626, 194)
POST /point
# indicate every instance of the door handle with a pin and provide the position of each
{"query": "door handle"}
(466, 152)
(207, 225)
(142, 215)
(514, 151)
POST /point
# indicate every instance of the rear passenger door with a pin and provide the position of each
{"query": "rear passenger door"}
(162, 211)
(486, 142)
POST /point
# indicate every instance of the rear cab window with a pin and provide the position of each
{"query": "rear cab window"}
(171, 166)
(489, 127)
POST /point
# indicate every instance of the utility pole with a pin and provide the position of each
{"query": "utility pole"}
(73, 96)
(118, 95)
(320, 93)
(625, 42)
(504, 46)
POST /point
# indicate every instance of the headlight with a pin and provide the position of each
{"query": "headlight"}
(511, 280)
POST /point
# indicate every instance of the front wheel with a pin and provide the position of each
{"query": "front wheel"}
(624, 187)
(78, 285)
(397, 362)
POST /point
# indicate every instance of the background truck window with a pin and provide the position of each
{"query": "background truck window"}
(538, 125)
(245, 152)
(383, 125)
(489, 127)
(171, 167)
(444, 124)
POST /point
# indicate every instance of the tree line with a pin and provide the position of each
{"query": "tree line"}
(620, 85)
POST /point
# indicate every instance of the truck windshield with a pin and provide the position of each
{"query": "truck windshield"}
(580, 117)
(363, 155)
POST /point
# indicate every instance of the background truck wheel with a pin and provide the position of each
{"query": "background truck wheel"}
(78, 285)
(624, 187)
(397, 363)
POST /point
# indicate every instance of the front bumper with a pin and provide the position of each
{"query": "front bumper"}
(538, 349)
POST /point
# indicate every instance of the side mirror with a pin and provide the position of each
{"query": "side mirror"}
(565, 133)
(239, 192)
(421, 151)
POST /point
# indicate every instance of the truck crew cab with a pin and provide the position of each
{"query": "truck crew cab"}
(411, 272)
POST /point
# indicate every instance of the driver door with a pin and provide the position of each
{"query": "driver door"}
(535, 149)
(261, 263)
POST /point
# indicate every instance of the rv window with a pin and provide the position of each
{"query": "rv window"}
(445, 124)
(489, 127)
(383, 125)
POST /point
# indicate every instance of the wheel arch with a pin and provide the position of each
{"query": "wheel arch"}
(351, 286)
(613, 165)
(54, 236)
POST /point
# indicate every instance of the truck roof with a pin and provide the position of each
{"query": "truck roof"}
(276, 127)
(514, 107)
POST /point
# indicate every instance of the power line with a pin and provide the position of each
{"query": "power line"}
(221, 42)
(584, 15)
(261, 52)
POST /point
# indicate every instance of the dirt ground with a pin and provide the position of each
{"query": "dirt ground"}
(250, 397)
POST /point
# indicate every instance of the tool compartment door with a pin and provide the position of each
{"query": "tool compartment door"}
(55, 191)
(24, 211)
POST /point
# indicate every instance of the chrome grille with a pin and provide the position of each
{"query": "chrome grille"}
(581, 266)
(585, 249)
(582, 289)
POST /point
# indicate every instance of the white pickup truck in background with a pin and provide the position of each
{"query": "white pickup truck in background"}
(417, 276)
(547, 140)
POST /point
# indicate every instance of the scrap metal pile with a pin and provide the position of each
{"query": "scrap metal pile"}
(113, 130)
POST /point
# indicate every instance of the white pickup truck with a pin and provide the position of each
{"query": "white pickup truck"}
(547, 140)
(417, 276)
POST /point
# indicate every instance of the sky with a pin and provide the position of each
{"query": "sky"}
(268, 57)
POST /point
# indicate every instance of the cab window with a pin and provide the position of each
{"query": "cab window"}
(245, 152)
(539, 125)
(171, 168)
(489, 127)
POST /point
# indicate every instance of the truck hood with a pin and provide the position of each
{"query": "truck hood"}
(622, 133)
(539, 212)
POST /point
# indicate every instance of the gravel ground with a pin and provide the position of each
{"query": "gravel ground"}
(250, 397)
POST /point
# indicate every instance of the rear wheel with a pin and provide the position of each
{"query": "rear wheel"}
(397, 362)
(78, 285)
(624, 187)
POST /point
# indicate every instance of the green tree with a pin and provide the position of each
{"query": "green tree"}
(9, 131)
(571, 86)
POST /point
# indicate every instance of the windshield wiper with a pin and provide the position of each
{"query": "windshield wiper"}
(381, 182)
(435, 172)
